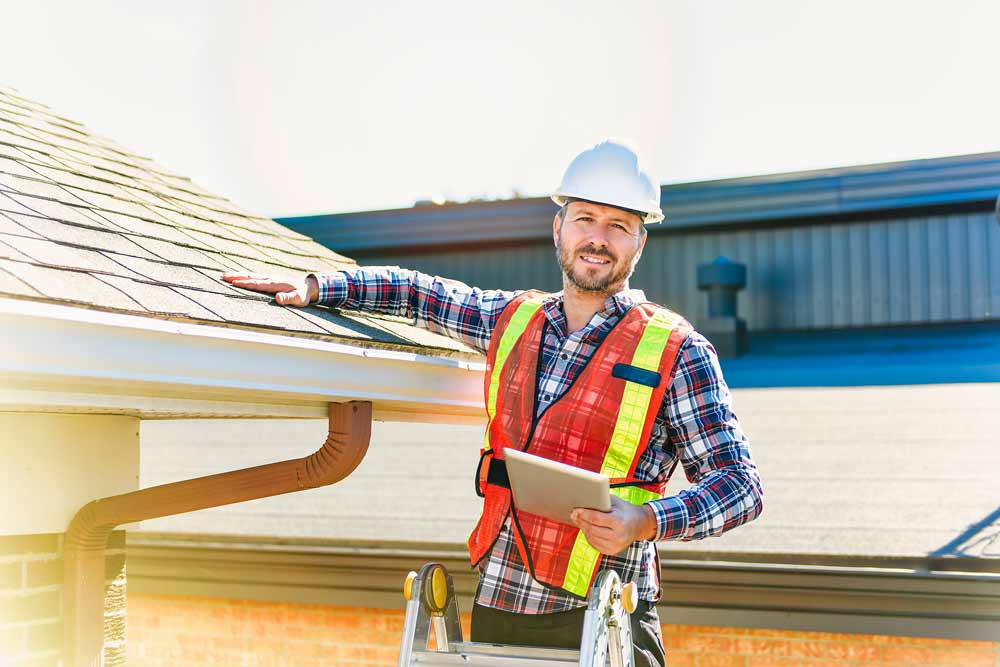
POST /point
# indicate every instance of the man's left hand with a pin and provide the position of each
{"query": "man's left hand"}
(612, 532)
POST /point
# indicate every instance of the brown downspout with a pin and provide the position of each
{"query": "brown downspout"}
(83, 634)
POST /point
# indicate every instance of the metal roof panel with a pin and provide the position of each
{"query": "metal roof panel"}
(746, 201)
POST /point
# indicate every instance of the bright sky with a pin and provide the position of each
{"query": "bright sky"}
(295, 107)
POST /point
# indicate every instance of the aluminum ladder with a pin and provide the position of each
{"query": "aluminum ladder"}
(432, 612)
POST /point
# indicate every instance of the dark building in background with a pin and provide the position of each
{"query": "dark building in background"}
(854, 276)
(907, 243)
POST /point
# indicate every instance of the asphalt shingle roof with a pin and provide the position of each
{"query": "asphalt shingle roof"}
(87, 222)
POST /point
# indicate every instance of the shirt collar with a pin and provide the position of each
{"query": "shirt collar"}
(615, 305)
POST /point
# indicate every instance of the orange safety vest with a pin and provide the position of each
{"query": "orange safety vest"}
(601, 423)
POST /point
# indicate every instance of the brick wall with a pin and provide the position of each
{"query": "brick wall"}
(31, 578)
(166, 631)
(30, 599)
(697, 646)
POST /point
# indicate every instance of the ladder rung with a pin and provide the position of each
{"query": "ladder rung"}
(496, 655)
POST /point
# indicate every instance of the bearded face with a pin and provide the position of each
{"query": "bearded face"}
(595, 269)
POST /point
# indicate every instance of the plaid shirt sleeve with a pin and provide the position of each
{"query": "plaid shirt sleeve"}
(712, 448)
(447, 307)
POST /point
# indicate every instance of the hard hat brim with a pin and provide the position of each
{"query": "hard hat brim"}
(648, 217)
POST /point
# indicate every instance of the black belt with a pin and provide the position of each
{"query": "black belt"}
(497, 474)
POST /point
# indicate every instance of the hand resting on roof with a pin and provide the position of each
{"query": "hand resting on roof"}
(296, 292)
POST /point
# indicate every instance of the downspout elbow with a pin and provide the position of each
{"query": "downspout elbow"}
(346, 444)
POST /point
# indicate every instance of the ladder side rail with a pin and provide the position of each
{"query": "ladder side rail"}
(414, 631)
(589, 643)
(626, 649)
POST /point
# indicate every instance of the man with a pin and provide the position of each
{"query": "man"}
(594, 376)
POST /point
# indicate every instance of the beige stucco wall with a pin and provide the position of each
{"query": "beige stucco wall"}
(53, 464)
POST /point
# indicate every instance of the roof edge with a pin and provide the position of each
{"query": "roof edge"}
(67, 359)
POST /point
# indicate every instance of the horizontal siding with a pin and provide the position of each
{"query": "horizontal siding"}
(755, 201)
(521, 267)
(814, 276)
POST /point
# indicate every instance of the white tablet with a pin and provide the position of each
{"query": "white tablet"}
(554, 489)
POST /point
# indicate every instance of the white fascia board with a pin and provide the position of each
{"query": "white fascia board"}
(62, 358)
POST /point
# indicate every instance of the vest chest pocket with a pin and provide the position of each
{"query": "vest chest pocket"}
(636, 374)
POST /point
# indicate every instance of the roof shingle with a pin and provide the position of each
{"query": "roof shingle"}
(85, 221)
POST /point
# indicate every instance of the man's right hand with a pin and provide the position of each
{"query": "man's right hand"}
(286, 292)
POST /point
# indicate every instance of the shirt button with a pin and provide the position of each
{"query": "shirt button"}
(545, 397)
(564, 356)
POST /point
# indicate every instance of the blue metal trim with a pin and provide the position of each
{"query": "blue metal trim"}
(756, 199)
(933, 354)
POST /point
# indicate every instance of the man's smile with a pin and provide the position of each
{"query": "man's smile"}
(592, 259)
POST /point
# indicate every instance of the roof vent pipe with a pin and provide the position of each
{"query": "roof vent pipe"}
(722, 279)
(83, 631)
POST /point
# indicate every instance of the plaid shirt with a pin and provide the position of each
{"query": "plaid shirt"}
(694, 426)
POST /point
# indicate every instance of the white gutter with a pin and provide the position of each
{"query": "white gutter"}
(63, 358)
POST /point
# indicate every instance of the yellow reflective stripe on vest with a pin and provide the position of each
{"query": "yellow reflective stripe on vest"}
(624, 443)
(511, 334)
(583, 559)
(635, 400)
(635, 494)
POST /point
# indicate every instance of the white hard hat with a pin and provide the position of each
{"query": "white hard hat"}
(610, 173)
